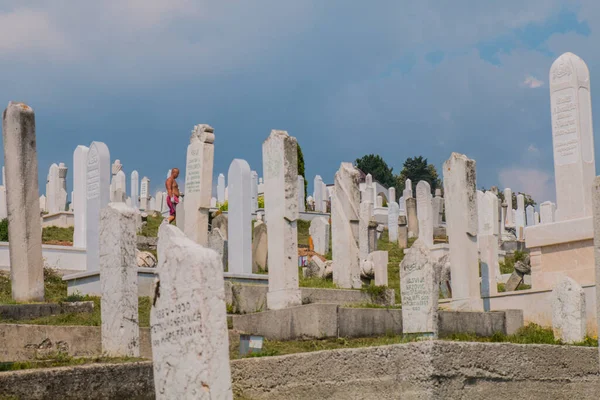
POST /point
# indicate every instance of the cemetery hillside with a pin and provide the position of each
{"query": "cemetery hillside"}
(254, 269)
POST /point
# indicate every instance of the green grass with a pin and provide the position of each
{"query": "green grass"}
(55, 289)
(150, 228)
(395, 257)
(62, 360)
(371, 305)
(508, 265)
(54, 233)
(315, 282)
(303, 232)
(522, 286)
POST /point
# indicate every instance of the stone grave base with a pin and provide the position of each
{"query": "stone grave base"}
(331, 320)
(422, 370)
(63, 219)
(36, 310)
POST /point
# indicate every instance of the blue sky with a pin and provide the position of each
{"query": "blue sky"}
(395, 78)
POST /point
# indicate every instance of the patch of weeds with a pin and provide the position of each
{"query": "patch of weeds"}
(315, 282)
(150, 228)
(395, 257)
(371, 305)
(303, 232)
(229, 308)
(377, 293)
(62, 360)
(76, 297)
(4, 230)
(56, 234)
(529, 334)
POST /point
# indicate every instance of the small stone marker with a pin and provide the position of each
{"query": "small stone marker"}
(260, 248)
(24, 225)
(509, 221)
(380, 266)
(402, 232)
(438, 208)
(413, 221)
(366, 210)
(144, 194)
(280, 169)
(568, 311)
(530, 213)
(547, 210)
(344, 228)
(391, 194)
(419, 291)
(318, 189)
(408, 192)
(221, 189)
(218, 243)
(520, 217)
(118, 281)
(319, 232)
(239, 218)
(190, 344)
(135, 190)
(97, 196)
(254, 191)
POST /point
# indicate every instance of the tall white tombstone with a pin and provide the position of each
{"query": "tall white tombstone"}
(43, 206)
(379, 202)
(365, 213)
(280, 168)
(240, 218)
(198, 183)
(461, 221)
(115, 168)
(3, 205)
(509, 222)
(393, 214)
(530, 215)
(369, 192)
(221, 189)
(120, 186)
(487, 207)
(425, 212)
(159, 200)
(536, 218)
(318, 195)
(402, 205)
(301, 195)
(438, 208)
(408, 192)
(24, 223)
(53, 190)
(79, 196)
(344, 229)
(97, 197)
(520, 217)
(190, 344)
(324, 197)
(118, 281)
(547, 210)
(145, 194)
(62, 187)
(319, 232)
(596, 221)
(572, 137)
(254, 190)
(135, 190)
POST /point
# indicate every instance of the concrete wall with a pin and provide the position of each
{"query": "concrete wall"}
(423, 370)
(330, 320)
(36, 310)
(57, 257)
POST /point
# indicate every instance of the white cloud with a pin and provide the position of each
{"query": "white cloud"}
(25, 30)
(532, 150)
(535, 182)
(532, 82)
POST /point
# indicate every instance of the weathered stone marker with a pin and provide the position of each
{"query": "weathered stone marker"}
(190, 344)
(462, 223)
(412, 219)
(568, 311)
(344, 228)
(260, 247)
(135, 190)
(596, 204)
(319, 232)
(425, 212)
(97, 196)
(280, 169)
(24, 225)
(393, 214)
(198, 183)
(118, 281)
(419, 291)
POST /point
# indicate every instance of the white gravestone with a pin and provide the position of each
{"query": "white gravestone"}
(438, 208)
(530, 214)
(319, 232)
(79, 196)
(391, 194)
(120, 186)
(280, 169)
(393, 214)
(97, 197)
(318, 193)
(425, 212)
(344, 229)
(239, 218)
(379, 202)
(402, 205)
(198, 183)
(419, 291)
(3, 205)
(547, 209)
(145, 194)
(568, 311)
(324, 197)
(190, 344)
(135, 190)
(62, 187)
(461, 226)
(52, 190)
(118, 281)
(221, 189)
(301, 195)
(596, 220)
(572, 137)
(408, 192)
(368, 193)
(520, 217)
(509, 222)
(43, 206)
(536, 218)
(24, 223)
(158, 201)
(365, 213)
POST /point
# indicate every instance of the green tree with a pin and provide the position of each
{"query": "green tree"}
(301, 168)
(418, 169)
(378, 168)
(529, 201)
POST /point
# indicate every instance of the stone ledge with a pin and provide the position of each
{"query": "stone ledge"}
(573, 230)
(30, 311)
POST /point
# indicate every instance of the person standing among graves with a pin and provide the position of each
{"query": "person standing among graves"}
(172, 193)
